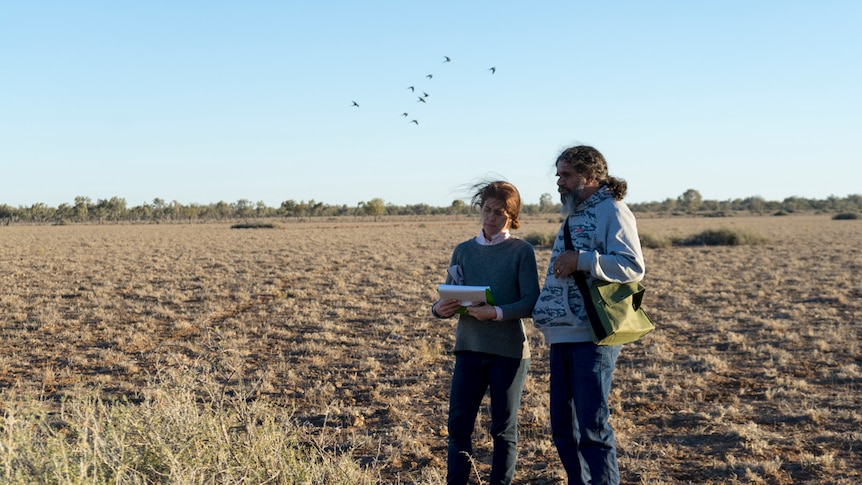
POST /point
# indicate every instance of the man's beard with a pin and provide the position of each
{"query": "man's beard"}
(571, 199)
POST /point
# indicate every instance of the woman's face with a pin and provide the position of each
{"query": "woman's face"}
(494, 217)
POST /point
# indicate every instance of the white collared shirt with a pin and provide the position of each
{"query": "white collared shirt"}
(495, 239)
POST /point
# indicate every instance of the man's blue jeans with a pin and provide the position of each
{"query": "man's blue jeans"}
(581, 375)
(476, 372)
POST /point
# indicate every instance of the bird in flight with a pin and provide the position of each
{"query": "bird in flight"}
(493, 70)
(414, 121)
(411, 88)
(421, 99)
(447, 59)
(355, 104)
(429, 76)
(424, 94)
(404, 114)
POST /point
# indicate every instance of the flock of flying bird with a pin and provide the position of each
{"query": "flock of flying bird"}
(424, 95)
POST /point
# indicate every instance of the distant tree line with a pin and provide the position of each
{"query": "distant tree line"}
(691, 202)
(115, 209)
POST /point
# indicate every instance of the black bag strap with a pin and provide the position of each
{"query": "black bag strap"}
(581, 281)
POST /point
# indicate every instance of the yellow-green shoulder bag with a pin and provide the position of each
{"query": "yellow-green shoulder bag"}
(614, 309)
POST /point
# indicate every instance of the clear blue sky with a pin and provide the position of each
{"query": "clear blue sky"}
(199, 101)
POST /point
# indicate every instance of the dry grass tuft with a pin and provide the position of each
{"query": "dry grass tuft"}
(181, 430)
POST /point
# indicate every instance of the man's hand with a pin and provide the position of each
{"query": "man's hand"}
(566, 263)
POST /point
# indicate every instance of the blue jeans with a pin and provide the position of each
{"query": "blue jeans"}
(581, 375)
(476, 372)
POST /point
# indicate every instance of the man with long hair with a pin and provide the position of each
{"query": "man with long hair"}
(606, 246)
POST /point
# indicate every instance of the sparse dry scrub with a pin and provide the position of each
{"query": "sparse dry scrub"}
(313, 341)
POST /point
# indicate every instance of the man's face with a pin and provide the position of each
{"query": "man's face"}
(570, 185)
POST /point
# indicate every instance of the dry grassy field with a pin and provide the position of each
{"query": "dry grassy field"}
(752, 375)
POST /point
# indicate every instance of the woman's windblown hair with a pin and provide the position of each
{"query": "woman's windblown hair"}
(503, 191)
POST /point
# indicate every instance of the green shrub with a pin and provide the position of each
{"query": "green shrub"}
(254, 225)
(539, 239)
(845, 216)
(654, 242)
(722, 237)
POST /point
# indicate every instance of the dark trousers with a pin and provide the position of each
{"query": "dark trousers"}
(504, 377)
(581, 375)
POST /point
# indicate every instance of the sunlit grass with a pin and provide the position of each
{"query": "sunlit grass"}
(185, 429)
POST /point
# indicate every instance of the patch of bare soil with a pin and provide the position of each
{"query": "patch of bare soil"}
(752, 375)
